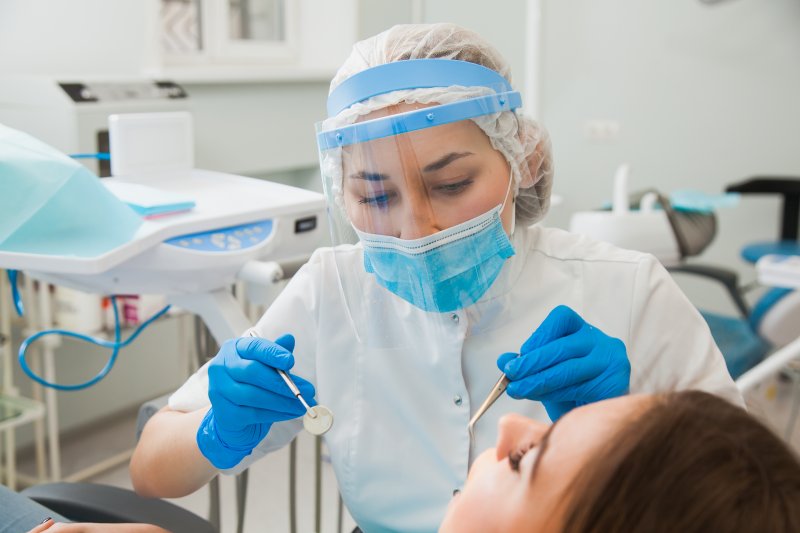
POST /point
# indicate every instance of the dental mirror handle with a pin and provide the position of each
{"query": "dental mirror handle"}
(290, 384)
(296, 392)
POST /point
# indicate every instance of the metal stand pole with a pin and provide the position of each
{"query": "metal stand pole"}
(293, 486)
(241, 499)
(7, 388)
(318, 484)
(50, 398)
(32, 314)
(213, 503)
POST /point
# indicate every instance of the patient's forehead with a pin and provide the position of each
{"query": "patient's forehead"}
(602, 419)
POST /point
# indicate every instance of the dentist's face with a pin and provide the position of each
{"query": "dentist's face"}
(503, 493)
(415, 184)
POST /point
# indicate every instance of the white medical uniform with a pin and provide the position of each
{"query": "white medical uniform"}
(399, 444)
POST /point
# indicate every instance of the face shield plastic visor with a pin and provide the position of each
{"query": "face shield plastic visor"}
(419, 186)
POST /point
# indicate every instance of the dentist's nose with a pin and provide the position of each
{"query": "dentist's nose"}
(419, 221)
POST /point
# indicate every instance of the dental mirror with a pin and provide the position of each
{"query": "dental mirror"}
(320, 423)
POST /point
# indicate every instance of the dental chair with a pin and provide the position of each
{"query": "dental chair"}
(92, 502)
(774, 320)
(648, 221)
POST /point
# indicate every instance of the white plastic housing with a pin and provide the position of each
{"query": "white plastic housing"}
(643, 231)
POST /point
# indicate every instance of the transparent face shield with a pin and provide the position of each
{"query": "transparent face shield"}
(425, 199)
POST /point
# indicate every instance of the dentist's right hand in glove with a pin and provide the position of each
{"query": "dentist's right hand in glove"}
(247, 396)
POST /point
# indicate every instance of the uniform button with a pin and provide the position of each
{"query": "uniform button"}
(457, 399)
(454, 318)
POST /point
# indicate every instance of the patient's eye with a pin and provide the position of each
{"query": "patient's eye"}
(515, 458)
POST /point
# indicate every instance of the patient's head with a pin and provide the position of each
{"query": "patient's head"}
(685, 461)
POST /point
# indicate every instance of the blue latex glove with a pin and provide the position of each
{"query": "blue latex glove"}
(247, 396)
(567, 363)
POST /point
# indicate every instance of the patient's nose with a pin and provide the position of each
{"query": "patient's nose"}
(516, 431)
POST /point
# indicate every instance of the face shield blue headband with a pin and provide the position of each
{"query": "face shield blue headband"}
(453, 267)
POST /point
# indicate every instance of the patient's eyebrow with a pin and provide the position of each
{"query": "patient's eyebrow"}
(542, 449)
(446, 160)
(369, 176)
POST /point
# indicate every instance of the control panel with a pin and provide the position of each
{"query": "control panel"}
(229, 239)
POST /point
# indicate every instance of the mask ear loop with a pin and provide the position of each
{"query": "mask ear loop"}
(513, 205)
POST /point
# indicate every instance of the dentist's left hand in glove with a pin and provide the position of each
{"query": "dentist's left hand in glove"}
(566, 363)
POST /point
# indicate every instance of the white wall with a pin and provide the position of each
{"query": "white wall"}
(502, 24)
(119, 38)
(704, 96)
(76, 37)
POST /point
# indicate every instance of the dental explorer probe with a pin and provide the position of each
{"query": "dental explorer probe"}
(292, 387)
(497, 391)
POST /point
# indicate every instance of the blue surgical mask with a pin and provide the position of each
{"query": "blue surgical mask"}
(443, 272)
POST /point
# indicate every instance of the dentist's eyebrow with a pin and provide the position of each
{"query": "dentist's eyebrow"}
(369, 176)
(446, 160)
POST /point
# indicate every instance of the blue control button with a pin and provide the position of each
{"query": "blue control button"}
(225, 239)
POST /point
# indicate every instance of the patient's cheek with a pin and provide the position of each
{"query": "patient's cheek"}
(483, 461)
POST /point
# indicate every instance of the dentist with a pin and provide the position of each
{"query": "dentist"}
(437, 280)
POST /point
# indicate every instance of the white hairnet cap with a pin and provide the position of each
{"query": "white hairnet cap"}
(523, 142)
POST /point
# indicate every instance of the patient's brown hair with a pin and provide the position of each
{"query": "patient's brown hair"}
(690, 463)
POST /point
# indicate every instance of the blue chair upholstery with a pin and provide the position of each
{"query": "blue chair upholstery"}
(755, 251)
(741, 347)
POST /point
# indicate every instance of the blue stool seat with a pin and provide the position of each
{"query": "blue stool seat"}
(757, 250)
(739, 344)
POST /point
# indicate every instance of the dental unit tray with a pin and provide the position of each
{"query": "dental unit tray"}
(229, 220)
(235, 219)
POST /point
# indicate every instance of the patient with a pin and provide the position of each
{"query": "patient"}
(19, 514)
(51, 525)
(685, 461)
